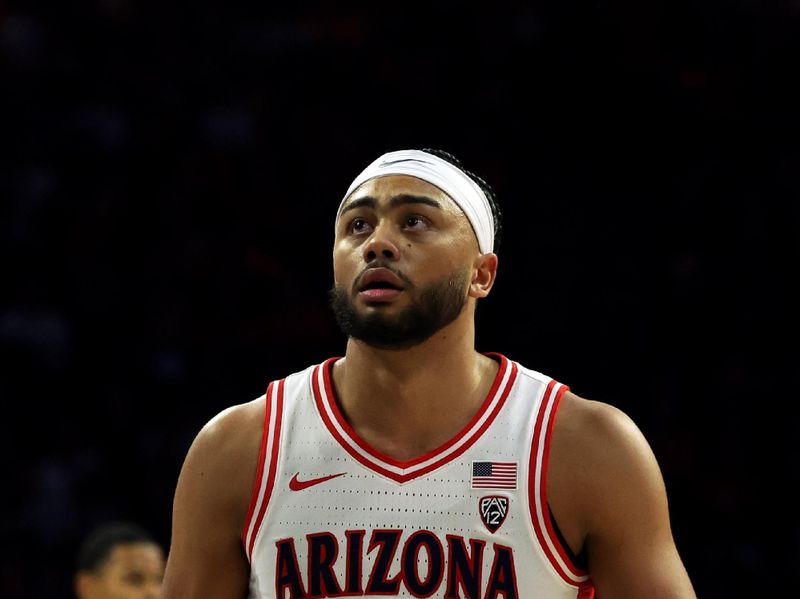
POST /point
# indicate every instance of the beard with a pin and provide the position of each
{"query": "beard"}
(437, 305)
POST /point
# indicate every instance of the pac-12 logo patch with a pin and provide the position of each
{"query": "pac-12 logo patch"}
(494, 509)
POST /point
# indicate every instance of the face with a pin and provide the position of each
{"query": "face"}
(404, 260)
(132, 571)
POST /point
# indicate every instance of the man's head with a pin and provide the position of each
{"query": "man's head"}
(119, 560)
(414, 245)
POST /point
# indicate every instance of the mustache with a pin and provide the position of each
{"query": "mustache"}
(381, 263)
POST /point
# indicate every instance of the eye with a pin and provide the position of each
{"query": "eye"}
(135, 579)
(358, 225)
(415, 222)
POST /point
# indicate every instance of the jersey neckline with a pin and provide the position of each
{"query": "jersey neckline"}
(405, 470)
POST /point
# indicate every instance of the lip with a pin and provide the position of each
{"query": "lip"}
(379, 275)
(380, 295)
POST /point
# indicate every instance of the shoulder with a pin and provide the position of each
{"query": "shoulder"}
(223, 458)
(231, 433)
(229, 443)
(231, 430)
(588, 423)
(602, 462)
(601, 437)
(237, 429)
(206, 557)
(607, 490)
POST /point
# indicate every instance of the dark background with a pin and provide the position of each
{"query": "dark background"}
(169, 179)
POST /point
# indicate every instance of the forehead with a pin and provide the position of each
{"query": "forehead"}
(382, 189)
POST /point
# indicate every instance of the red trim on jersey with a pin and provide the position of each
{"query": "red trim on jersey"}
(586, 591)
(538, 439)
(388, 459)
(262, 452)
(543, 487)
(273, 464)
(351, 438)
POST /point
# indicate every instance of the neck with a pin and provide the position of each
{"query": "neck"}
(408, 402)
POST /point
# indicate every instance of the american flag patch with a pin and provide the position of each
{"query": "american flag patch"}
(494, 475)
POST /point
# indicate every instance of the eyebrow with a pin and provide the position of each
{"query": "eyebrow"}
(398, 200)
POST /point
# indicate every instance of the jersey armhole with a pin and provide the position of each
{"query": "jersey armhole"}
(267, 460)
(581, 560)
(551, 542)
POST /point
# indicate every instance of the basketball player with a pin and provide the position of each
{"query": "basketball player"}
(414, 465)
(119, 560)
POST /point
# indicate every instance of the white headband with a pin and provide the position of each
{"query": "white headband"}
(444, 175)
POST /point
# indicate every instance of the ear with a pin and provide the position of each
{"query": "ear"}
(484, 272)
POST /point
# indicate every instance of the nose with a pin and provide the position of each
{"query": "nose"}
(380, 245)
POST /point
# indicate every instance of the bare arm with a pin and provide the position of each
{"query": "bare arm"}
(614, 501)
(206, 557)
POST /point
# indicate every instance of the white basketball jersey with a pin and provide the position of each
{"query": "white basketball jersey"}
(332, 517)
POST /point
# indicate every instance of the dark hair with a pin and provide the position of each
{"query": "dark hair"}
(97, 546)
(487, 190)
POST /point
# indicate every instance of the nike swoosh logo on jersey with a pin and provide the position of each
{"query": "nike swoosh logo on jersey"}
(299, 485)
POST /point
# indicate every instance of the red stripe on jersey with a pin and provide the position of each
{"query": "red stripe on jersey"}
(544, 526)
(332, 429)
(262, 453)
(273, 464)
(575, 571)
(351, 438)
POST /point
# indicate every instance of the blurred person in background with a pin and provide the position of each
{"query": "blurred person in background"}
(119, 560)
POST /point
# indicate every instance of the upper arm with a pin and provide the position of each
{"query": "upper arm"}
(206, 557)
(623, 508)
